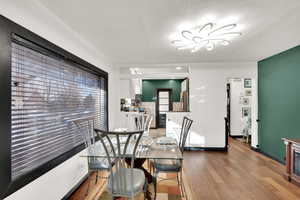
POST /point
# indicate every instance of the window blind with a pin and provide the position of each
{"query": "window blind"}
(48, 93)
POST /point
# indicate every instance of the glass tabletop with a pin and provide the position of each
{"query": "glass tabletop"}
(148, 148)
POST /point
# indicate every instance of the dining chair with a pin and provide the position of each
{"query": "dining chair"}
(144, 123)
(173, 165)
(85, 127)
(148, 124)
(123, 181)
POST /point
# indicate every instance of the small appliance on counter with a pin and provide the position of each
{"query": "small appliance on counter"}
(131, 105)
(125, 104)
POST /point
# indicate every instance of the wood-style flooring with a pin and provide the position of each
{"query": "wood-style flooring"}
(239, 174)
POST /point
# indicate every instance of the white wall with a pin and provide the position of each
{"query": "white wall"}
(129, 87)
(208, 97)
(113, 97)
(125, 88)
(56, 183)
(33, 16)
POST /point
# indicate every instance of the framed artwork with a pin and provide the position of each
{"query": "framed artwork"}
(247, 83)
(248, 92)
(245, 101)
(246, 111)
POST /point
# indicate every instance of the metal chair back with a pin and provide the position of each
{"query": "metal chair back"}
(185, 128)
(148, 121)
(140, 121)
(143, 122)
(118, 146)
(85, 127)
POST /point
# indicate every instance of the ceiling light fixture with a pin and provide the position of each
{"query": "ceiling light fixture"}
(208, 35)
(178, 68)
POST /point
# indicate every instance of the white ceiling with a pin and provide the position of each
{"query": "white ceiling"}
(137, 31)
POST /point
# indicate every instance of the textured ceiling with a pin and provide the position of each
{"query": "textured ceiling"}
(137, 31)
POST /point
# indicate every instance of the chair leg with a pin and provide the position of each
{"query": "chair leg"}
(183, 186)
(89, 181)
(179, 180)
(155, 183)
(145, 190)
(149, 166)
(97, 176)
(179, 184)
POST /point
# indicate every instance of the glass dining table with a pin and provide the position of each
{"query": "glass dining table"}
(149, 147)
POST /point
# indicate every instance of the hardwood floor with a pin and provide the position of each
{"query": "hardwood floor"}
(240, 174)
(94, 191)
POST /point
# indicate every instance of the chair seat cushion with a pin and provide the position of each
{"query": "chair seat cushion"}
(167, 165)
(126, 180)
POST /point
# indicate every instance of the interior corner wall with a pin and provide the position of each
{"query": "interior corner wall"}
(125, 88)
(208, 98)
(279, 101)
(36, 18)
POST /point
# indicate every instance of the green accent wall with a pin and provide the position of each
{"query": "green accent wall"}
(279, 101)
(149, 88)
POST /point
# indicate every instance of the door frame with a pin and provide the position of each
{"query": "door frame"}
(227, 118)
(157, 103)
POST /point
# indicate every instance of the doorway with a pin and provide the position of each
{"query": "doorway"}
(163, 105)
(240, 105)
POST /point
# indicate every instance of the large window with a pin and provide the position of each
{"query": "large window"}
(43, 89)
(48, 93)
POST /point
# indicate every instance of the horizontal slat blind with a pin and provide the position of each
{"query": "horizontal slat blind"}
(48, 93)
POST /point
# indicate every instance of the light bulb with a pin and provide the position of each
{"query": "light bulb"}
(197, 48)
(225, 42)
(178, 43)
(197, 39)
(210, 46)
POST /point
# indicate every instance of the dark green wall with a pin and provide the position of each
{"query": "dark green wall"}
(149, 88)
(279, 101)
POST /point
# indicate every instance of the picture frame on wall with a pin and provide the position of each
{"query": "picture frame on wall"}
(248, 92)
(247, 83)
(246, 112)
(245, 101)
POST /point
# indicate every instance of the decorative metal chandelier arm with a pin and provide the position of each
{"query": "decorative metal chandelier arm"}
(222, 28)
